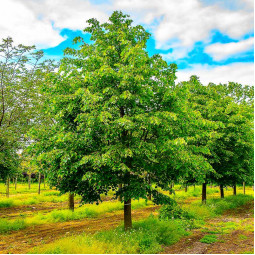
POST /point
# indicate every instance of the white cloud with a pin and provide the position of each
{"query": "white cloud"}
(22, 24)
(176, 24)
(187, 21)
(39, 22)
(220, 51)
(237, 72)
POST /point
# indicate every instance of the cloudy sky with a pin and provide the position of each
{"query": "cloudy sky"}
(213, 39)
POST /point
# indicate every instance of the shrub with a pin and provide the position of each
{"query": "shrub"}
(173, 211)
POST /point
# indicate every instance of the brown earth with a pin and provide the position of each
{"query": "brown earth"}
(237, 241)
(24, 240)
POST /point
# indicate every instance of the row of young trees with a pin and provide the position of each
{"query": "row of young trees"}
(112, 118)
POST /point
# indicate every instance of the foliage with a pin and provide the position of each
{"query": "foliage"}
(173, 211)
(117, 119)
(21, 72)
(230, 106)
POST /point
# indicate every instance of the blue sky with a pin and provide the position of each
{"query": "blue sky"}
(209, 38)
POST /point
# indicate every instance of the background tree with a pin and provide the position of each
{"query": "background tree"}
(231, 143)
(21, 72)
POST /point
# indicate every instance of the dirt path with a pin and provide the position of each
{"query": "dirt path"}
(24, 240)
(237, 234)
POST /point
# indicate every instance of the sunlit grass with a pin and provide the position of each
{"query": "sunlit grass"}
(86, 211)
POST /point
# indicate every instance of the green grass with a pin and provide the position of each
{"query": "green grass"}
(6, 203)
(10, 225)
(86, 211)
(209, 239)
(147, 236)
(216, 206)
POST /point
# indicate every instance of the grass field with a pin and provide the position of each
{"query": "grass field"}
(25, 210)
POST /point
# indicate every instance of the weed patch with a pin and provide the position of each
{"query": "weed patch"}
(209, 239)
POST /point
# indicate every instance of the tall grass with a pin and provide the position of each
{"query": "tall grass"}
(10, 225)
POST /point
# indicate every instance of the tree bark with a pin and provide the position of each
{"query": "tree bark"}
(194, 187)
(127, 215)
(221, 191)
(120, 187)
(7, 187)
(71, 201)
(171, 189)
(234, 189)
(29, 181)
(44, 181)
(16, 180)
(186, 188)
(39, 184)
(204, 193)
(244, 188)
(149, 182)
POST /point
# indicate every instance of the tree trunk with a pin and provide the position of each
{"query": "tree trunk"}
(120, 187)
(127, 215)
(39, 184)
(244, 188)
(194, 186)
(71, 201)
(171, 189)
(16, 180)
(204, 193)
(7, 187)
(29, 181)
(221, 191)
(234, 189)
(149, 182)
(186, 188)
(44, 182)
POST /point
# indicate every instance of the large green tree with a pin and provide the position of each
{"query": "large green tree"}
(117, 119)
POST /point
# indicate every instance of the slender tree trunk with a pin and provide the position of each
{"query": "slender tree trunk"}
(44, 181)
(234, 189)
(29, 181)
(221, 191)
(149, 182)
(204, 193)
(16, 180)
(71, 201)
(171, 189)
(127, 215)
(186, 188)
(7, 187)
(211, 186)
(244, 188)
(120, 187)
(39, 184)
(194, 186)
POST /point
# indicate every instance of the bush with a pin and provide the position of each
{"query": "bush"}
(173, 211)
